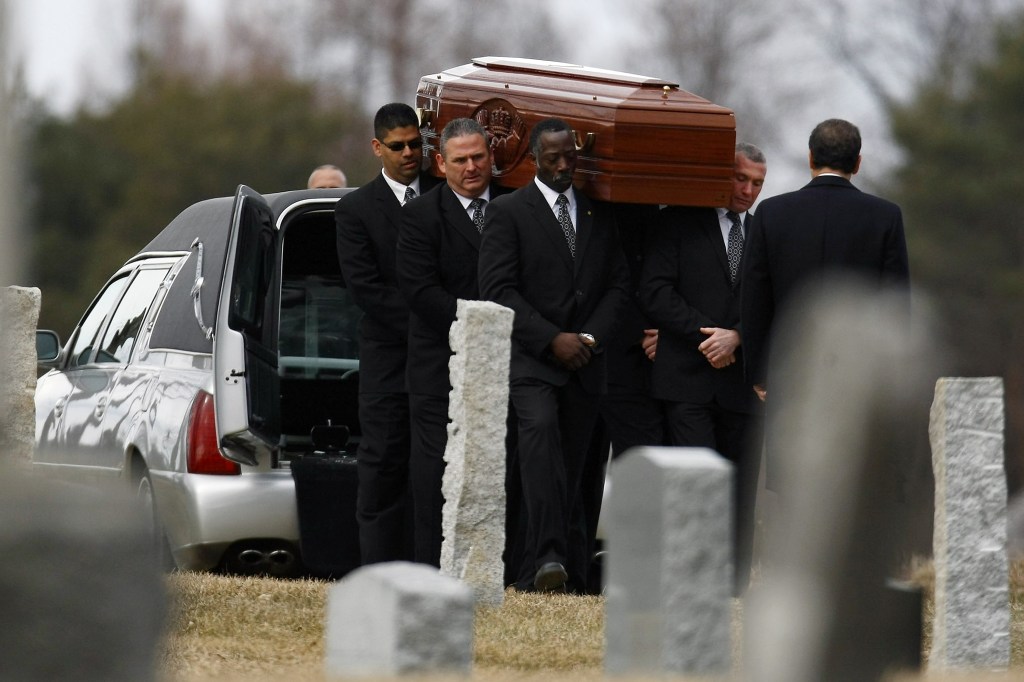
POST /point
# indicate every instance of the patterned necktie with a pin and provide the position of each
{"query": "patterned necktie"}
(478, 213)
(735, 248)
(410, 194)
(566, 222)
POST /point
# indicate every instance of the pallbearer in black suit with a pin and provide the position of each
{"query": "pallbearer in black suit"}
(691, 290)
(438, 247)
(554, 257)
(368, 221)
(828, 226)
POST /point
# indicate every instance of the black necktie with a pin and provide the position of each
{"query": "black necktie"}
(410, 194)
(478, 213)
(566, 222)
(735, 247)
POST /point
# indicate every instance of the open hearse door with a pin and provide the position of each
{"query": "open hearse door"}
(246, 383)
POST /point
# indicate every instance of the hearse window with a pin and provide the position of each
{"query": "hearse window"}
(89, 328)
(319, 320)
(123, 330)
(318, 340)
(253, 271)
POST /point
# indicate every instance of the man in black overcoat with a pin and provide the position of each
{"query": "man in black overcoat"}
(828, 226)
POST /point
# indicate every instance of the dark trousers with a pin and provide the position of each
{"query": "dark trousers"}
(554, 424)
(735, 436)
(429, 419)
(382, 462)
(629, 417)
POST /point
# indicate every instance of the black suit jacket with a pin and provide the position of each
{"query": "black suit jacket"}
(525, 265)
(685, 286)
(368, 220)
(826, 226)
(438, 249)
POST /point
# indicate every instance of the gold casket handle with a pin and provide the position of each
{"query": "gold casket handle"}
(585, 143)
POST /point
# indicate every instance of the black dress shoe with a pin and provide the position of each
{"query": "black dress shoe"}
(551, 576)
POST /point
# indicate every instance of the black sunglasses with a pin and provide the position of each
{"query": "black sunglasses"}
(399, 146)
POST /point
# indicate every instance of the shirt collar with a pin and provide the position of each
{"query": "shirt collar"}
(399, 189)
(551, 196)
(723, 211)
(466, 201)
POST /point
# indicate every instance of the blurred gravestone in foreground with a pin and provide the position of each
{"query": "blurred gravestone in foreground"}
(398, 618)
(670, 564)
(81, 593)
(972, 601)
(847, 398)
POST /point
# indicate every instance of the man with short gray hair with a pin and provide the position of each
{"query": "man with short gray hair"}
(436, 264)
(690, 287)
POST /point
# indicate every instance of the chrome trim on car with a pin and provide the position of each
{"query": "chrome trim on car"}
(197, 289)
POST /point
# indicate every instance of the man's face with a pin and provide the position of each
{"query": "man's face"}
(556, 161)
(400, 152)
(466, 164)
(747, 179)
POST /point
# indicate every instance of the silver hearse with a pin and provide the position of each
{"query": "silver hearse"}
(197, 373)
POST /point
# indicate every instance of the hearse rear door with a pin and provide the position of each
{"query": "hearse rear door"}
(246, 383)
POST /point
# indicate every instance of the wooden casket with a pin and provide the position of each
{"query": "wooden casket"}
(641, 140)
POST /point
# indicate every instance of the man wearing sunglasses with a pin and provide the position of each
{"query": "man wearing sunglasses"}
(368, 220)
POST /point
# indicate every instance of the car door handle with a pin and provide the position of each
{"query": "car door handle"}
(58, 407)
(101, 407)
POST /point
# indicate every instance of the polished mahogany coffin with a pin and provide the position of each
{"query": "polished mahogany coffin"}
(640, 140)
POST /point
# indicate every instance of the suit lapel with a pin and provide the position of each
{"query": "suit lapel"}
(387, 202)
(548, 223)
(455, 215)
(713, 232)
(584, 227)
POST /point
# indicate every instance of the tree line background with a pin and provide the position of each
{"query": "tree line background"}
(284, 85)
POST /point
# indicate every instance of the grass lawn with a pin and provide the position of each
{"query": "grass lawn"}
(256, 629)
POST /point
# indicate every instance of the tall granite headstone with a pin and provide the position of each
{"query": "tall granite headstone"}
(971, 628)
(474, 479)
(398, 618)
(847, 406)
(669, 563)
(19, 314)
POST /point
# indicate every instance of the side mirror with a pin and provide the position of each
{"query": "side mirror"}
(47, 347)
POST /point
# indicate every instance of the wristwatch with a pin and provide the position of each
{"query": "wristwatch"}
(587, 339)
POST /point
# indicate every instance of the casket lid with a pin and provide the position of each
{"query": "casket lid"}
(538, 66)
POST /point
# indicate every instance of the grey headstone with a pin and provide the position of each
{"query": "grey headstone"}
(82, 597)
(19, 314)
(972, 607)
(474, 479)
(669, 563)
(850, 386)
(398, 618)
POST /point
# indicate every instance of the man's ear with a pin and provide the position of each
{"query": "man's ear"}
(856, 166)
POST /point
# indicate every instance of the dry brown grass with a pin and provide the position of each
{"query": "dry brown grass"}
(262, 629)
(256, 629)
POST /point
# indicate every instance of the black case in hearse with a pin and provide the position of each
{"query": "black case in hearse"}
(325, 493)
